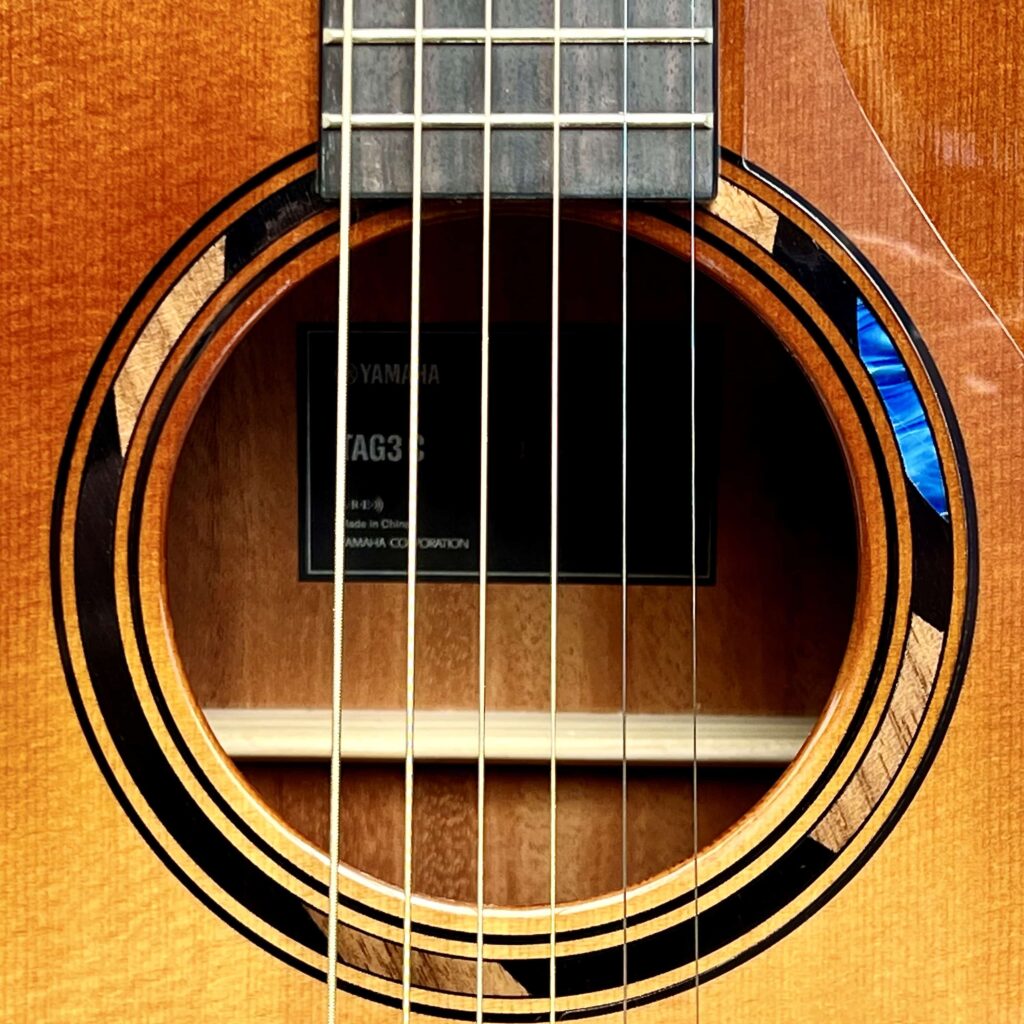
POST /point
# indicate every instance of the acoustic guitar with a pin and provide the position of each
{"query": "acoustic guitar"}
(511, 512)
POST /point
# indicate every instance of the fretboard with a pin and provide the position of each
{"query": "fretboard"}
(643, 93)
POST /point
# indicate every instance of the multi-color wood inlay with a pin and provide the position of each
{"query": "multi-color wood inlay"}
(830, 811)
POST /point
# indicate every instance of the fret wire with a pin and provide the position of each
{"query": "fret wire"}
(656, 173)
(521, 36)
(340, 467)
(556, 190)
(524, 120)
(485, 325)
(412, 452)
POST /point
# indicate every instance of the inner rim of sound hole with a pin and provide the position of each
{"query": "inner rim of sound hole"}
(231, 548)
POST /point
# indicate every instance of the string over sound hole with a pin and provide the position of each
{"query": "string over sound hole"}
(775, 599)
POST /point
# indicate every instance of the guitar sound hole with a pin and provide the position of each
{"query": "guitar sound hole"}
(777, 533)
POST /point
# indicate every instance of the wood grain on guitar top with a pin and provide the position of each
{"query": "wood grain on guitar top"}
(122, 124)
(916, 69)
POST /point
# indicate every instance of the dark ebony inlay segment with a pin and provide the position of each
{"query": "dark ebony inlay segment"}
(673, 947)
(114, 687)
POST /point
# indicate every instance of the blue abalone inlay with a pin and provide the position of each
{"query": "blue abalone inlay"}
(903, 404)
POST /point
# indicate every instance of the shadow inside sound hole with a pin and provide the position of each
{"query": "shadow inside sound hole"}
(773, 624)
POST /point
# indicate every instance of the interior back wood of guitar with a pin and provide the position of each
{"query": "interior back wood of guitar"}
(772, 627)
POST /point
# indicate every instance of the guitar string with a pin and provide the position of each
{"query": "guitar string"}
(693, 513)
(412, 455)
(624, 624)
(340, 461)
(413, 488)
(485, 327)
(556, 210)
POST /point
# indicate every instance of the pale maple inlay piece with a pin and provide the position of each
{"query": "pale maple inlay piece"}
(745, 213)
(165, 326)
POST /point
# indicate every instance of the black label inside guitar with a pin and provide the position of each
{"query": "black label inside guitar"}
(590, 454)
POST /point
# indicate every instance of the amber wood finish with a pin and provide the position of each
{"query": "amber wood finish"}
(774, 625)
(784, 534)
(769, 814)
(963, 161)
(589, 822)
(111, 151)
